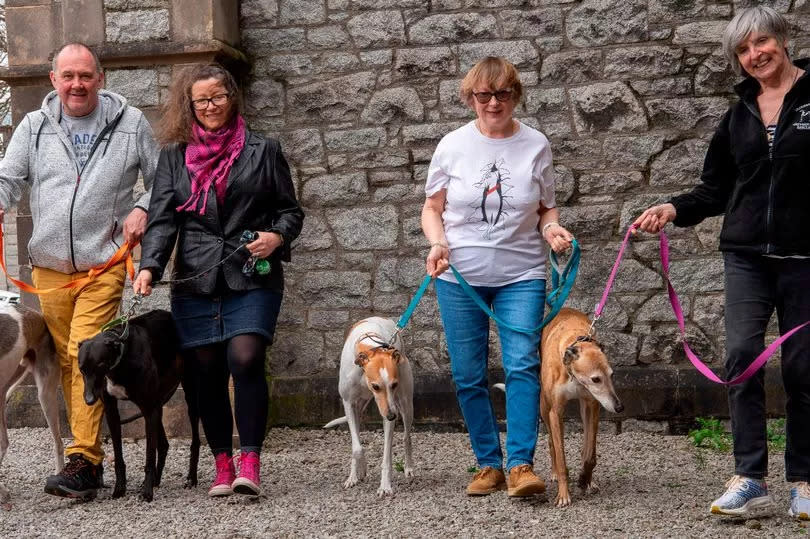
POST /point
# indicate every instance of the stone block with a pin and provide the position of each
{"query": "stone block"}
(337, 100)
(420, 62)
(699, 32)
(328, 37)
(521, 53)
(643, 62)
(25, 99)
(607, 106)
(633, 151)
(303, 146)
(323, 319)
(571, 67)
(666, 86)
(687, 113)
(365, 228)
(594, 221)
(22, 23)
(680, 165)
(393, 105)
(258, 13)
(302, 11)
(665, 11)
(139, 86)
(377, 29)
(141, 25)
(355, 139)
(83, 21)
(335, 190)
(540, 22)
(606, 22)
(452, 28)
(609, 182)
(336, 289)
(315, 234)
(264, 97)
(714, 75)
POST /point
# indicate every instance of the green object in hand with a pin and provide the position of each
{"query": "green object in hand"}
(262, 266)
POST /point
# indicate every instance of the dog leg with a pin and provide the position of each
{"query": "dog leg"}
(162, 450)
(152, 426)
(5, 495)
(47, 381)
(358, 468)
(387, 464)
(589, 410)
(556, 435)
(407, 422)
(544, 413)
(114, 424)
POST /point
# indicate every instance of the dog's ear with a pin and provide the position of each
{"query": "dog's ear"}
(396, 356)
(361, 359)
(571, 354)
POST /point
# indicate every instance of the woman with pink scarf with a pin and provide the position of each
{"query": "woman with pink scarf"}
(216, 180)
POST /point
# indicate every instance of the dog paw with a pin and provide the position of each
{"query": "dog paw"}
(190, 482)
(119, 491)
(385, 490)
(350, 482)
(147, 495)
(590, 488)
(563, 501)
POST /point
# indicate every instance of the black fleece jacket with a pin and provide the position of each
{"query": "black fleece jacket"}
(765, 195)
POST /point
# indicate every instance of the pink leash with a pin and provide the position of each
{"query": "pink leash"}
(760, 360)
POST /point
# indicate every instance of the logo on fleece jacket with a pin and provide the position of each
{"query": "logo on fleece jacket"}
(490, 209)
(804, 117)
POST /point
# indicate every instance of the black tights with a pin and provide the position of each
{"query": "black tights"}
(242, 357)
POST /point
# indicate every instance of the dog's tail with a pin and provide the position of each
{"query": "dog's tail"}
(502, 387)
(336, 422)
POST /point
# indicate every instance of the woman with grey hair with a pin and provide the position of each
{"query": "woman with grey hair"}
(755, 174)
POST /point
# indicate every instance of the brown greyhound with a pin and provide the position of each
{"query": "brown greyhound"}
(573, 367)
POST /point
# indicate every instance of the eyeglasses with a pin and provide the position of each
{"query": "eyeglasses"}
(217, 101)
(500, 95)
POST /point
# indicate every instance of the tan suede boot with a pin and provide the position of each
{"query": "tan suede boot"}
(486, 481)
(523, 482)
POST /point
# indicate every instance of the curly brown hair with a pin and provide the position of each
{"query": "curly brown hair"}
(178, 113)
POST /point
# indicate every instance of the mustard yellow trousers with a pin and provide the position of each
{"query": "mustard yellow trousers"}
(73, 315)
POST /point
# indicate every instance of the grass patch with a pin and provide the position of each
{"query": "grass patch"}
(472, 469)
(776, 434)
(710, 434)
(398, 466)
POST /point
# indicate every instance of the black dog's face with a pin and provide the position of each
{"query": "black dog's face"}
(96, 357)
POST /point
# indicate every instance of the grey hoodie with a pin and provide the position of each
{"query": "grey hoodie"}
(78, 214)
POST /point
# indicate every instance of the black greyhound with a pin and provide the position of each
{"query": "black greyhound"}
(140, 361)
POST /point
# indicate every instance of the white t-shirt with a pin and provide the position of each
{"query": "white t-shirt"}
(494, 189)
(82, 131)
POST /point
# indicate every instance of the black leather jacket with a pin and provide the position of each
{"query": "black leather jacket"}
(259, 197)
(765, 195)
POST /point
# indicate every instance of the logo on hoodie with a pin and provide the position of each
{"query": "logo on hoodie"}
(804, 118)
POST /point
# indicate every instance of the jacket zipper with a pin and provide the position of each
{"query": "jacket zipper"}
(100, 136)
(769, 214)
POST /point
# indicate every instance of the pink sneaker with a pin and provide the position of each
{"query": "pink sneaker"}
(248, 480)
(225, 476)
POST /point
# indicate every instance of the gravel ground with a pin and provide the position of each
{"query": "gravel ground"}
(650, 485)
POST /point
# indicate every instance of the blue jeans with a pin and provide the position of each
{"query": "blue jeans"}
(466, 326)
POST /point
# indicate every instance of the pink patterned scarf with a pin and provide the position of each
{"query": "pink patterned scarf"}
(209, 158)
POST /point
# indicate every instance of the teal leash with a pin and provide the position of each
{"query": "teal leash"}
(556, 298)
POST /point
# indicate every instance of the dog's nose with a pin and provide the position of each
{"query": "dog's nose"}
(619, 407)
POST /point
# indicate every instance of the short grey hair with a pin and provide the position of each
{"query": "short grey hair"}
(76, 45)
(762, 19)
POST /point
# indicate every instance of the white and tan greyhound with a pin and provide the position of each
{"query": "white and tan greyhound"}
(373, 365)
(573, 367)
(26, 346)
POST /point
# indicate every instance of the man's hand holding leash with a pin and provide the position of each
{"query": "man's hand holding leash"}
(135, 226)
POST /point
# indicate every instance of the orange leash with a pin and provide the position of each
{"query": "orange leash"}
(124, 253)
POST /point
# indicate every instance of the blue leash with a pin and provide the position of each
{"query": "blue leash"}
(555, 299)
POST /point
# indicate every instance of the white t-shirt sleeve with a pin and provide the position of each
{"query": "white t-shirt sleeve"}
(437, 176)
(544, 175)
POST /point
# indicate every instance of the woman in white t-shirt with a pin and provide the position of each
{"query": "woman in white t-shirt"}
(490, 203)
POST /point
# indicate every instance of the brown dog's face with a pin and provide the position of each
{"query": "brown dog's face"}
(588, 364)
(381, 367)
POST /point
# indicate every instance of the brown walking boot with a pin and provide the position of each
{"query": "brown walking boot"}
(486, 481)
(523, 482)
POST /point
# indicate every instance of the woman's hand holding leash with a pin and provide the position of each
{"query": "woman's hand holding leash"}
(438, 259)
(143, 283)
(557, 236)
(655, 218)
(264, 246)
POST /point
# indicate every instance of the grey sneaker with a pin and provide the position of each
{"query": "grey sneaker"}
(742, 495)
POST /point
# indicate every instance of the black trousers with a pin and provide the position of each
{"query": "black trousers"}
(755, 287)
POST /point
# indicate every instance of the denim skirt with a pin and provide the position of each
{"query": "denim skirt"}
(203, 319)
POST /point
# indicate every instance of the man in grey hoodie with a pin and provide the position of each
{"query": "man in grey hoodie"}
(80, 155)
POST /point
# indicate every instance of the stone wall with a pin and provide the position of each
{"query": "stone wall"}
(360, 92)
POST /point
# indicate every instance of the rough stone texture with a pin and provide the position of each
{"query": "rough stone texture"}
(456, 27)
(571, 67)
(607, 106)
(604, 22)
(140, 86)
(680, 165)
(643, 62)
(377, 28)
(141, 25)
